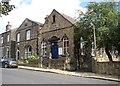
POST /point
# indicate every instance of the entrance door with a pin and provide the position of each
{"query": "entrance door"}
(54, 50)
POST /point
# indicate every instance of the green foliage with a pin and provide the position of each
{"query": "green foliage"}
(5, 8)
(32, 57)
(24, 60)
(104, 16)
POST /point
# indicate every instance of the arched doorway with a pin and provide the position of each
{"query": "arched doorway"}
(28, 51)
(54, 46)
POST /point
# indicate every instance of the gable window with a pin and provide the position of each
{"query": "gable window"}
(1, 40)
(8, 38)
(65, 45)
(28, 35)
(18, 37)
(53, 18)
(43, 48)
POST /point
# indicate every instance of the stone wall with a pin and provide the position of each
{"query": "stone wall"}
(46, 63)
(110, 68)
(57, 63)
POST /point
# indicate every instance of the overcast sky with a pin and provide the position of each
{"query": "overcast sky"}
(37, 10)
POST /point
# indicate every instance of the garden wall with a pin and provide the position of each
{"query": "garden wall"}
(111, 68)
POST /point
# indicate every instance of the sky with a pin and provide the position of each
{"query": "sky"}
(37, 10)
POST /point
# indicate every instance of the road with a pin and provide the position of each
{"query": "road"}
(22, 76)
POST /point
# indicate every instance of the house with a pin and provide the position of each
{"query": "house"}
(27, 39)
(7, 42)
(56, 37)
(1, 48)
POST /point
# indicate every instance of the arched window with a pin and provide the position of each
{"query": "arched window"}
(28, 51)
(43, 48)
(65, 45)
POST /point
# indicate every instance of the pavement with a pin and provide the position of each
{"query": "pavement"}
(75, 73)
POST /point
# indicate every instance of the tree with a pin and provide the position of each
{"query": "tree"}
(104, 16)
(5, 7)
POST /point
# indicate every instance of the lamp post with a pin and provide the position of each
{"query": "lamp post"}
(94, 38)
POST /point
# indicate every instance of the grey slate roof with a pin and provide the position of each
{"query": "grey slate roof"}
(13, 34)
(72, 20)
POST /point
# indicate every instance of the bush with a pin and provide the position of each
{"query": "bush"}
(32, 57)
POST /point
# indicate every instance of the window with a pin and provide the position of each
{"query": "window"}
(8, 38)
(43, 48)
(28, 35)
(1, 40)
(65, 45)
(53, 18)
(18, 37)
(7, 52)
(28, 52)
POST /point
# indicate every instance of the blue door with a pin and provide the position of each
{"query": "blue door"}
(54, 51)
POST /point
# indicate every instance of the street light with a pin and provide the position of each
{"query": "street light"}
(94, 38)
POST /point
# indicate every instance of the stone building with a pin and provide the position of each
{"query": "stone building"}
(7, 42)
(57, 37)
(27, 39)
(1, 48)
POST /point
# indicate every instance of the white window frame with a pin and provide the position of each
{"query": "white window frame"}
(8, 38)
(1, 40)
(28, 52)
(7, 52)
(18, 37)
(65, 45)
(28, 34)
(43, 48)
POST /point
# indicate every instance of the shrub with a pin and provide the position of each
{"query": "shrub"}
(32, 57)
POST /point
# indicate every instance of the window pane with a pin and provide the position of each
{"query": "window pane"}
(43, 48)
(28, 35)
(8, 37)
(18, 37)
(1, 40)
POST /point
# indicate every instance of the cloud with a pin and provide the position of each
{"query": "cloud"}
(37, 10)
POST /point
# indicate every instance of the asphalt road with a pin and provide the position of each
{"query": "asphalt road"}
(22, 76)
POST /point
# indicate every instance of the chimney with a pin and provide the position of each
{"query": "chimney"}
(8, 27)
(46, 18)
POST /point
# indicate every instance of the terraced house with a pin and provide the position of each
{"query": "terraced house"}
(7, 42)
(27, 39)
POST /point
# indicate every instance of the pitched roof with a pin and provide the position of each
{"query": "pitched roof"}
(13, 34)
(35, 22)
(40, 24)
(72, 20)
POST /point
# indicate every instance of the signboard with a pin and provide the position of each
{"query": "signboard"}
(60, 51)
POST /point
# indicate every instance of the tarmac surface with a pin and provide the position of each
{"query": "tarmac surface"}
(76, 73)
